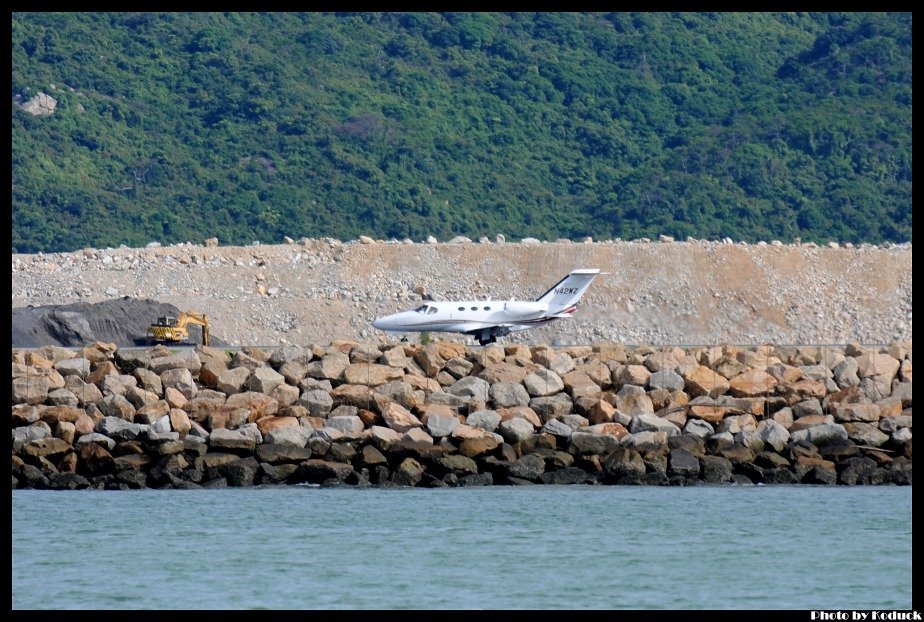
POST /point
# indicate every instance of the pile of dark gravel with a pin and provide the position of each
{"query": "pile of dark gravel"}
(123, 321)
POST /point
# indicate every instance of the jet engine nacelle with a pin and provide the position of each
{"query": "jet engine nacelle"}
(524, 307)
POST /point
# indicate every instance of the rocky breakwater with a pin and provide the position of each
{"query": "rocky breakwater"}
(445, 415)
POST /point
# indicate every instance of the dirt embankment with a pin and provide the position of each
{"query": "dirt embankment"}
(660, 293)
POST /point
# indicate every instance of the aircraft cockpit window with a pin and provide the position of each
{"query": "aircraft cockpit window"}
(421, 309)
(431, 310)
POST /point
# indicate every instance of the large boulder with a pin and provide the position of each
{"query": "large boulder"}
(543, 382)
(371, 374)
(398, 418)
(185, 359)
(824, 434)
(701, 380)
(752, 383)
(653, 423)
(30, 389)
(264, 380)
(441, 425)
(589, 443)
(470, 387)
(506, 394)
(516, 430)
(180, 379)
(484, 419)
(232, 380)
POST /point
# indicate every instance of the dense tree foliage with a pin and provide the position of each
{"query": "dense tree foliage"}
(175, 127)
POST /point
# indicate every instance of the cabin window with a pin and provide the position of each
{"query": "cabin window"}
(474, 308)
(461, 308)
(487, 308)
(421, 309)
(431, 310)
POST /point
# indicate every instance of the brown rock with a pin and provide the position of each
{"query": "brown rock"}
(472, 447)
(258, 404)
(83, 425)
(399, 418)
(99, 373)
(523, 412)
(752, 383)
(179, 421)
(703, 381)
(602, 412)
(504, 372)
(56, 414)
(357, 395)
(68, 464)
(268, 424)
(371, 374)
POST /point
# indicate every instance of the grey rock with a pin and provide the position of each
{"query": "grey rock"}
(716, 469)
(264, 380)
(317, 401)
(565, 476)
(232, 381)
(543, 382)
(293, 436)
(575, 422)
(349, 424)
(819, 435)
(116, 406)
(74, 367)
(507, 394)
(440, 426)
(698, 427)
(621, 463)
(24, 434)
(181, 380)
(551, 406)
(119, 429)
(557, 428)
(516, 430)
(96, 437)
(587, 443)
(807, 408)
(653, 423)
(528, 467)
(470, 387)
(484, 419)
(683, 463)
(185, 359)
(893, 424)
(773, 434)
(231, 440)
(62, 397)
(666, 379)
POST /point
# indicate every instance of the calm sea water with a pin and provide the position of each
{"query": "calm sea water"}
(535, 547)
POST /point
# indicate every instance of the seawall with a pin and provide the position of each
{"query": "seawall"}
(443, 414)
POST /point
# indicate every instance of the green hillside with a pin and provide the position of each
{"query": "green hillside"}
(176, 127)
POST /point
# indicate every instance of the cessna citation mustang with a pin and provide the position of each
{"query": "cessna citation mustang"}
(489, 319)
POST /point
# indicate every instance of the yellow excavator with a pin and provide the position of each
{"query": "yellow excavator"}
(174, 329)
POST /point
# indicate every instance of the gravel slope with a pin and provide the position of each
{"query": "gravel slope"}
(658, 292)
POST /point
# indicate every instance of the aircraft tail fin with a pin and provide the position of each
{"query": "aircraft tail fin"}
(566, 293)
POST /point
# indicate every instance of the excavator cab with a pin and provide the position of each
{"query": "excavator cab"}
(174, 330)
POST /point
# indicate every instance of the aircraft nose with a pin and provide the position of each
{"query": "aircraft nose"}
(384, 323)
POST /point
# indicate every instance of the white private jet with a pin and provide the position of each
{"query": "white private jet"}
(489, 319)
